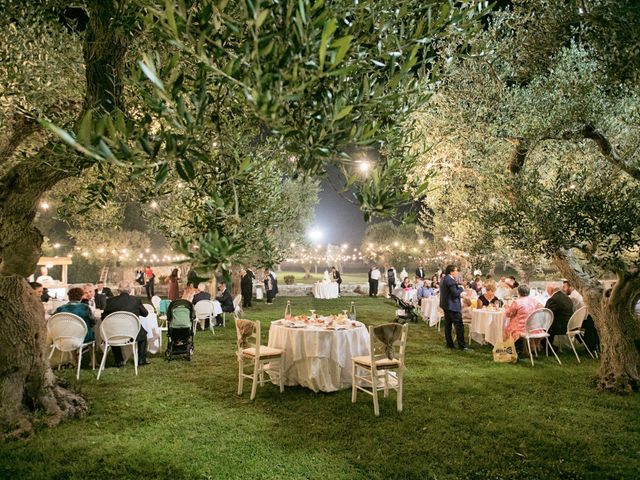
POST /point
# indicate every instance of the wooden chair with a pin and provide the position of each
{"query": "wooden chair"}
(382, 372)
(262, 358)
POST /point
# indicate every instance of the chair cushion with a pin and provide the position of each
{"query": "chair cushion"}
(365, 360)
(265, 352)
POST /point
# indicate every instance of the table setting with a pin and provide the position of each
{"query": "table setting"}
(318, 349)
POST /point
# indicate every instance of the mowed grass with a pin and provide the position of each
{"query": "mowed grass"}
(464, 417)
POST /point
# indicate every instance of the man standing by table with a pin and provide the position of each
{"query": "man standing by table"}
(335, 275)
(374, 279)
(246, 287)
(124, 302)
(450, 292)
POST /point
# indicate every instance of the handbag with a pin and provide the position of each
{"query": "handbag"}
(504, 351)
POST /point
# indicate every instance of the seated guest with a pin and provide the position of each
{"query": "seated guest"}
(476, 284)
(189, 293)
(425, 291)
(38, 290)
(513, 283)
(406, 284)
(561, 306)
(569, 289)
(517, 314)
(226, 302)
(101, 293)
(88, 296)
(45, 297)
(202, 294)
(80, 309)
(124, 302)
(435, 284)
(489, 297)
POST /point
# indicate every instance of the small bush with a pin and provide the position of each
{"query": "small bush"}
(289, 279)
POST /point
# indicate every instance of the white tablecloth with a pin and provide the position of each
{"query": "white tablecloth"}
(325, 290)
(317, 358)
(429, 308)
(486, 326)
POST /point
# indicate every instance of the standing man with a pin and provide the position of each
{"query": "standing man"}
(192, 277)
(246, 287)
(149, 281)
(450, 292)
(375, 281)
(268, 286)
(420, 273)
(124, 302)
(391, 279)
(335, 275)
(102, 293)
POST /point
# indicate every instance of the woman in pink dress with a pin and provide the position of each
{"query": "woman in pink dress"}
(172, 280)
(518, 312)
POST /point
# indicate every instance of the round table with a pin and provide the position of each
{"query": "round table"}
(316, 357)
(325, 290)
(486, 326)
(429, 308)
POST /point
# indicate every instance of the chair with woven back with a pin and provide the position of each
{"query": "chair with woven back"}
(574, 329)
(261, 357)
(537, 327)
(68, 332)
(384, 366)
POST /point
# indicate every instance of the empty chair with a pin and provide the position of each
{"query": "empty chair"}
(237, 309)
(260, 357)
(205, 310)
(120, 329)
(162, 317)
(149, 308)
(574, 329)
(384, 367)
(68, 332)
(537, 326)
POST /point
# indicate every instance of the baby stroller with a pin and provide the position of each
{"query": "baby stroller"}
(181, 318)
(406, 312)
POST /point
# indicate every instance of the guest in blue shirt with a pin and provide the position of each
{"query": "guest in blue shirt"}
(425, 291)
(80, 309)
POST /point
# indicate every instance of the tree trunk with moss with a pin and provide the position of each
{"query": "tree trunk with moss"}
(616, 323)
(27, 382)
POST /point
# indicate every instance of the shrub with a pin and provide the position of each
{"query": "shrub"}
(289, 279)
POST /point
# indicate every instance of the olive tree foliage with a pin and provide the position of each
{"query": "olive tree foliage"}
(544, 119)
(391, 245)
(314, 78)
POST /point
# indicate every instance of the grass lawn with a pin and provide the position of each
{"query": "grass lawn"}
(464, 417)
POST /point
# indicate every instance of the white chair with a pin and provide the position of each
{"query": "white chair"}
(68, 332)
(574, 329)
(237, 309)
(150, 308)
(162, 318)
(537, 327)
(262, 358)
(205, 310)
(120, 329)
(382, 373)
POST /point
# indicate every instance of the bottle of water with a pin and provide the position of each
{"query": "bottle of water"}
(287, 311)
(352, 312)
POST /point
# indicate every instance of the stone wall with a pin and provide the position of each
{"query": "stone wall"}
(303, 289)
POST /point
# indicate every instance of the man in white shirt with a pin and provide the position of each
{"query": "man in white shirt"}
(569, 289)
(374, 279)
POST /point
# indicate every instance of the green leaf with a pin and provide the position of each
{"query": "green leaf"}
(86, 126)
(262, 17)
(343, 113)
(147, 67)
(342, 44)
(328, 30)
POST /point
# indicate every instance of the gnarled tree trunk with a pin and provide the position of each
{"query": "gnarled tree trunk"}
(26, 379)
(616, 323)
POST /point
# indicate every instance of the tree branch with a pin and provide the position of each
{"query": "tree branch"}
(520, 155)
(22, 128)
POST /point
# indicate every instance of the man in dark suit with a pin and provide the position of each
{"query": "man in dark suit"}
(202, 294)
(102, 293)
(561, 306)
(420, 273)
(246, 287)
(226, 302)
(450, 302)
(335, 275)
(124, 302)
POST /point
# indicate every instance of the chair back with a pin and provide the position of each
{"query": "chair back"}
(120, 328)
(67, 331)
(388, 341)
(155, 301)
(236, 302)
(575, 322)
(150, 308)
(204, 309)
(248, 335)
(540, 319)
